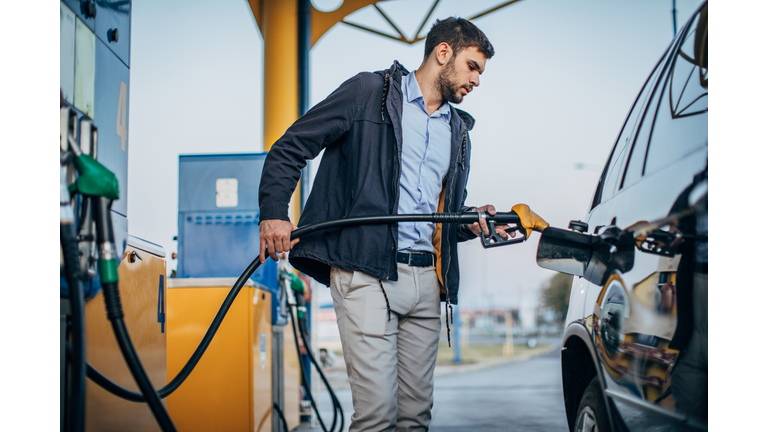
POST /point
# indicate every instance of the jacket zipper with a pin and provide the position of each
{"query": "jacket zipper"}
(450, 195)
(448, 245)
(387, 78)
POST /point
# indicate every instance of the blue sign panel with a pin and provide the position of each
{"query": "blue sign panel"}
(219, 218)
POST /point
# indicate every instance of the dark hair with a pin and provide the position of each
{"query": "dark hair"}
(459, 34)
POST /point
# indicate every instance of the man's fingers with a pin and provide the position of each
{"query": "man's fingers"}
(275, 247)
(475, 228)
(279, 245)
(285, 245)
(484, 226)
(275, 238)
(262, 246)
(279, 248)
(270, 246)
(480, 228)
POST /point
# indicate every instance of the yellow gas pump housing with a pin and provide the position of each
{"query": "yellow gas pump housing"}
(231, 387)
(142, 292)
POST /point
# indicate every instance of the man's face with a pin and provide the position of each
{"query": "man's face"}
(461, 74)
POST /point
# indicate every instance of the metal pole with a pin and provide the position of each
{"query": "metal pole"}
(278, 27)
(509, 345)
(304, 17)
(457, 337)
(674, 18)
(305, 44)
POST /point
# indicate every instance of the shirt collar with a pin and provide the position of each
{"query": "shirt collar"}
(413, 94)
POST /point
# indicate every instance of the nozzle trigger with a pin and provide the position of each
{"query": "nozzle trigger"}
(495, 239)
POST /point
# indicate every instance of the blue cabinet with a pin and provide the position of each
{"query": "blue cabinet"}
(219, 218)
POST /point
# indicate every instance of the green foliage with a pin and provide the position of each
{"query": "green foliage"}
(557, 293)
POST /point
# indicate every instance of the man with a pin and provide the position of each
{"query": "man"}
(393, 144)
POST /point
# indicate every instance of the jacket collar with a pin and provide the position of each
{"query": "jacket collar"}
(469, 121)
(397, 71)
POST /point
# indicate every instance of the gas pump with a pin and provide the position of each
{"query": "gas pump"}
(97, 187)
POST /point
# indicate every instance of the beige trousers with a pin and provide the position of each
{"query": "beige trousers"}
(390, 360)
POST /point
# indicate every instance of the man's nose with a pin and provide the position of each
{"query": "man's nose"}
(475, 80)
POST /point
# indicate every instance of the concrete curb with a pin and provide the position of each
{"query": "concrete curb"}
(337, 376)
(445, 370)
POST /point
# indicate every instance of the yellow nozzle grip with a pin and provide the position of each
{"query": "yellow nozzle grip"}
(529, 220)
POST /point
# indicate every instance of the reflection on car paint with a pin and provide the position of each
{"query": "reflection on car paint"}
(637, 326)
(635, 329)
(685, 97)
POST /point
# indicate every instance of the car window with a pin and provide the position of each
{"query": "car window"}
(681, 124)
(634, 170)
(607, 185)
(622, 146)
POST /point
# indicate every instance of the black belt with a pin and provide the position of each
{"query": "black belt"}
(417, 259)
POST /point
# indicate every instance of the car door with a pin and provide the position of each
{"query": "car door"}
(659, 157)
(582, 292)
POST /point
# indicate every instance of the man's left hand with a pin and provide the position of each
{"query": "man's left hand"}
(481, 228)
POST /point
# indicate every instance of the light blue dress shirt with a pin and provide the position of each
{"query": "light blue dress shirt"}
(426, 154)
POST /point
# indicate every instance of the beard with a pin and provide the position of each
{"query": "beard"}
(448, 85)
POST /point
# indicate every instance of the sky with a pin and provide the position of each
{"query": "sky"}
(551, 100)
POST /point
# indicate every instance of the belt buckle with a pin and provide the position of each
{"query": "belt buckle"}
(410, 255)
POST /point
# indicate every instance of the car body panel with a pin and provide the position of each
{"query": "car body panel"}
(651, 370)
(576, 301)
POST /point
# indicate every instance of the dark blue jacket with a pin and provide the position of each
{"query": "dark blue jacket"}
(360, 127)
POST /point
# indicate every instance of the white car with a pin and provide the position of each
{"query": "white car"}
(635, 341)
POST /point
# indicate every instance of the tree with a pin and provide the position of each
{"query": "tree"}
(557, 293)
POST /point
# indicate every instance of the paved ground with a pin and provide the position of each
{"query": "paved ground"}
(524, 395)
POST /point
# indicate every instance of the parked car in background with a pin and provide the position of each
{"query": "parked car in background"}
(635, 341)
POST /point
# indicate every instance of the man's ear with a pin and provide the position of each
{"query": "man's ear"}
(443, 53)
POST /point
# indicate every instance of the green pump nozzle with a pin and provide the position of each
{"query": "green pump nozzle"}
(94, 179)
(99, 184)
(297, 284)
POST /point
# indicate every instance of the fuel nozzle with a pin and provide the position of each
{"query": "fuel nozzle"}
(98, 186)
(297, 286)
(525, 220)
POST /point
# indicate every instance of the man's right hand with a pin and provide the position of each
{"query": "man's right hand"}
(275, 235)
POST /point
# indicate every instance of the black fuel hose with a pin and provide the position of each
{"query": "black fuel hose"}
(174, 384)
(306, 380)
(456, 218)
(133, 396)
(282, 417)
(105, 238)
(334, 399)
(76, 408)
